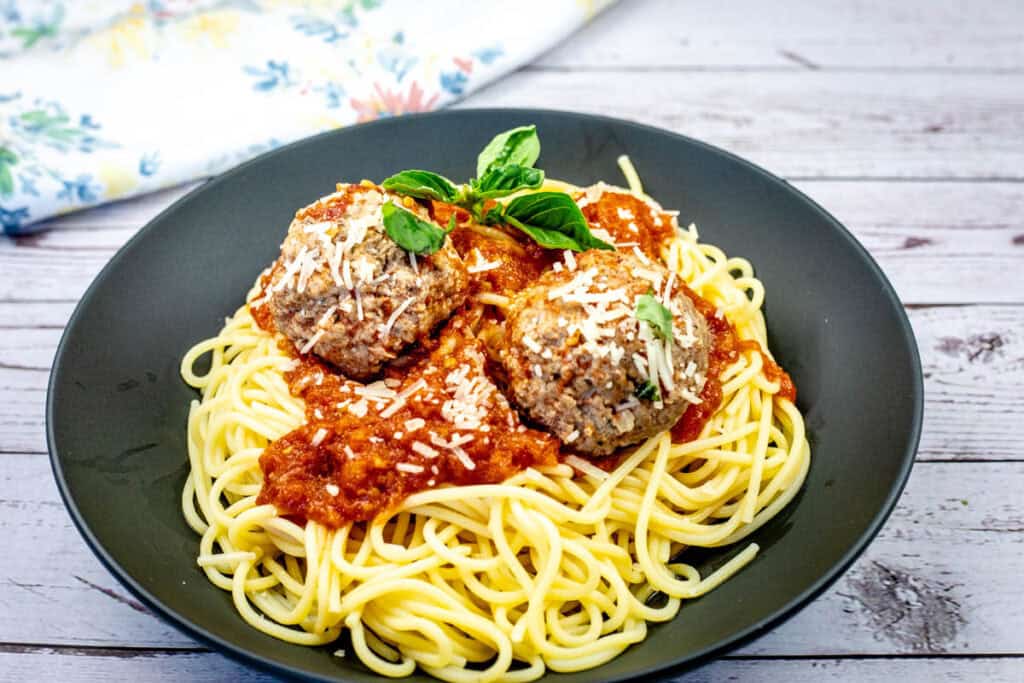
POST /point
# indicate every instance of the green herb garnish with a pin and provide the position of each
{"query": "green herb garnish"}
(653, 312)
(553, 220)
(648, 392)
(504, 167)
(519, 146)
(411, 232)
(501, 181)
(422, 184)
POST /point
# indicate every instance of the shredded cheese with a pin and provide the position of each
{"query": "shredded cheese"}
(395, 315)
(423, 449)
(308, 346)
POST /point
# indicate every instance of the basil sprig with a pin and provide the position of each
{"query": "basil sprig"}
(504, 167)
(653, 312)
(553, 220)
(423, 185)
(518, 146)
(501, 181)
(411, 232)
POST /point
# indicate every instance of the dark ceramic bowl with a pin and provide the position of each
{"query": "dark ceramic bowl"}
(117, 407)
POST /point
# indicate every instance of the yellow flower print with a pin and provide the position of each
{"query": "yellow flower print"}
(591, 7)
(116, 178)
(212, 28)
(128, 37)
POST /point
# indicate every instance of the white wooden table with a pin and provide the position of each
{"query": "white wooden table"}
(905, 119)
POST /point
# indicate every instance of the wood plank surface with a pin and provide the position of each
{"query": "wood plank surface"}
(808, 124)
(156, 666)
(946, 35)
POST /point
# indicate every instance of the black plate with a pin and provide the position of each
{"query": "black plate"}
(117, 407)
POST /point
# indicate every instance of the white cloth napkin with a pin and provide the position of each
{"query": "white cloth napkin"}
(101, 100)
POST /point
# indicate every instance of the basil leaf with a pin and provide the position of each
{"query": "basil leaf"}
(647, 392)
(651, 311)
(502, 181)
(410, 232)
(553, 220)
(421, 184)
(519, 146)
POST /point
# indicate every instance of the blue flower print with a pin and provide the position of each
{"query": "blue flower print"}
(333, 94)
(11, 221)
(149, 163)
(28, 185)
(486, 55)
(315, 27)
(396, 61)
(81, 189)
(453, 82)
(276, 75)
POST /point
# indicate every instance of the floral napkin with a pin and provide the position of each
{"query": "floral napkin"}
(105, 99)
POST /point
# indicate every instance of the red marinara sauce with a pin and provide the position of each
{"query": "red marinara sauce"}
(726, 347)
(364, 449)
(629, 220)
(498, 260)
(442, 422)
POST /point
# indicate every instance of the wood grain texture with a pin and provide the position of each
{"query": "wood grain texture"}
(156, 667)
(808, 123)
(947, 35)
(907, 595)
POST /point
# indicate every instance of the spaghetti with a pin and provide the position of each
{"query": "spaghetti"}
(554, 568)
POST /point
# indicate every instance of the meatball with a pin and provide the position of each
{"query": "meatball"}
(347, 292)
(580, 362)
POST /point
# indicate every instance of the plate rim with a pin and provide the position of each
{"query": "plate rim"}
(240, 654)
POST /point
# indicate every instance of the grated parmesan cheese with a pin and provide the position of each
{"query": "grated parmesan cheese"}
(415, 423)
(395, 315)
(570, 260)
(308, 346)
(322, 322)
(529, 343)
(423, 449)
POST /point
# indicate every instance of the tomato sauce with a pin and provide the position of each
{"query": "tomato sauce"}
(521, 260)
(356, 457)
(333, 207)
(726, 347)
(363, 449)
(630, 220)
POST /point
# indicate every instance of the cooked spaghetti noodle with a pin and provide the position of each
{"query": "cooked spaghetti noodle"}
(553, 569)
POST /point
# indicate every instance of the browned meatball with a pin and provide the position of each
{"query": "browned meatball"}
(582, 364)
(347, 292)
